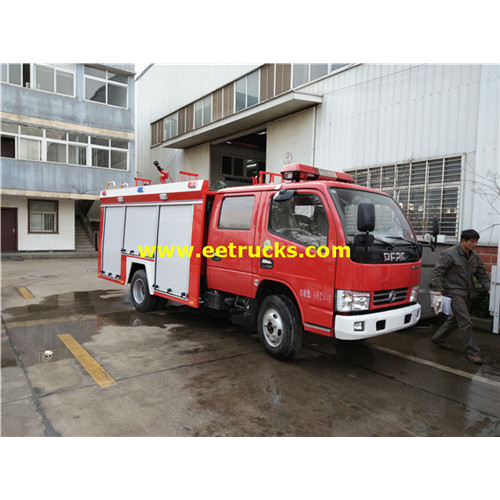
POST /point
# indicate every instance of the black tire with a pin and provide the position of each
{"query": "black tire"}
(139, 292)
(279, 327)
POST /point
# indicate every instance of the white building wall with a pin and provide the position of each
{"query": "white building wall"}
(163, 89)
(379, 114)
(385, 114)
(197, 159)
(64, 240)
(483, 201)
(290, 140)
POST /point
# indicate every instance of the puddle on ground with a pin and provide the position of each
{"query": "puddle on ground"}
(34, 328)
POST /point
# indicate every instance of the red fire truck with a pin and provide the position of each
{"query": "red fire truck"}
(304, 252)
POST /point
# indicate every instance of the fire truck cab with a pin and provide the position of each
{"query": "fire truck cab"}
(312, 252)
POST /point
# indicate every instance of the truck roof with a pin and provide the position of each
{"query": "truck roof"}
(316, 184)
(296, 176)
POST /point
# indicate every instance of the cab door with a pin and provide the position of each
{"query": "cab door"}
(232, 230)
(301, 221)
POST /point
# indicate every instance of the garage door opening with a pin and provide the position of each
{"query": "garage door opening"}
(236, 161)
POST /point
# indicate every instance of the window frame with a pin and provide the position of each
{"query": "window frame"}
(331, 67)
(7, 66)
(301, 192)
(233, 197)
(244, 79)
(107, 82)
(88, 146)
(203, 106)
(170, 123)
(55, 69)
(43, 212)
(34, 138)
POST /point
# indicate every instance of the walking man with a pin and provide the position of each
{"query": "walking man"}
(452, 277)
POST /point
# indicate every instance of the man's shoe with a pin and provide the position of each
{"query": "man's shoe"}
(475, 358)
(442, 345)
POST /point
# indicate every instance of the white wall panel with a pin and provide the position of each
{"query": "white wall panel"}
(163, 89)
(377, 114)
(382, 114)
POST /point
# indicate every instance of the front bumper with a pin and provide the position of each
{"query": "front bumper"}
(377, 323)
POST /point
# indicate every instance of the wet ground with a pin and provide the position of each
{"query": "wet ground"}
(185, 372)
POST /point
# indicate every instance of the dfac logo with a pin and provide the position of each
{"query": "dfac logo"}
(394, 256)
(392, 295)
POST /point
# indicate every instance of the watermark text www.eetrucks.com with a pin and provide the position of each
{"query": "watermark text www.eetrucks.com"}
(233, 251)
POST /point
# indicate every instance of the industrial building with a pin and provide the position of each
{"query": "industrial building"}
(67, 130)
(426, 133)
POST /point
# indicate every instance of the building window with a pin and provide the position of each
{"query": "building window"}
(170, 126)
(57, 146)
(16, 74)
(30, 143)
(12, 73)
(26, 142)
(423, 189)
(240, 167)
(77, 149)
(303, 73)
(106, 87)
(156, 132)
(56, 78)
(9, 132)
(203, 111)
(109, 153)
(42, 216)
(247, 91)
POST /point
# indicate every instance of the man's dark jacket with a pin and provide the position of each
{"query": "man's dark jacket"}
(454, 271)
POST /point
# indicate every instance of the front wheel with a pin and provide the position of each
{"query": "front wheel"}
(279, 326)
(139, 292)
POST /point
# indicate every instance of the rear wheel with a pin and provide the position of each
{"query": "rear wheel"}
(139, 292)
(279, 326)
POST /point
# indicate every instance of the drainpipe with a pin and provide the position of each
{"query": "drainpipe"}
(313, 142)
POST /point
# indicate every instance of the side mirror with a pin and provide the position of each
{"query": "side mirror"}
(366, 217)
(284, 195)
(366, 222)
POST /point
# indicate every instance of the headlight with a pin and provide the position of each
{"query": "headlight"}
(348, 301)
(414, 294)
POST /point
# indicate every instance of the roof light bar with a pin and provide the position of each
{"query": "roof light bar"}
(298, 172)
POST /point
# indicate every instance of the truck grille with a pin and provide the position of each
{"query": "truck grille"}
(389, 296)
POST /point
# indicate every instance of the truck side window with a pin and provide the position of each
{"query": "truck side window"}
(302, 219)
(236, 212)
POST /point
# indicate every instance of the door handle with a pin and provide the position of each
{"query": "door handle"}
(266, 263)
(216, 258)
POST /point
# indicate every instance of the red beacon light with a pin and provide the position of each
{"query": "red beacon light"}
(298, 172)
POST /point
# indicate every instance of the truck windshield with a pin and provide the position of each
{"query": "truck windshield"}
(392, 229)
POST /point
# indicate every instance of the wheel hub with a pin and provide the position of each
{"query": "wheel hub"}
(272, 326)
(139, 291)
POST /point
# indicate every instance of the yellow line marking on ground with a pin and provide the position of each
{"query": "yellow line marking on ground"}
(461, 373)
(95, 370)
(25, 292)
